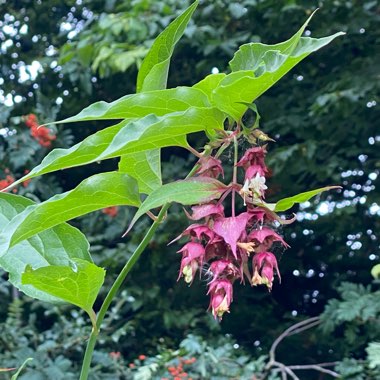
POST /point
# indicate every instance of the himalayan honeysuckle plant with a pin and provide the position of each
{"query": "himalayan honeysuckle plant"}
(48, 259)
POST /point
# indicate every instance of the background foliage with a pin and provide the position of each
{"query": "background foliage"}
(59, 56)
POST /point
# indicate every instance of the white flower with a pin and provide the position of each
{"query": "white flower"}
(257, 185)
(254, 187)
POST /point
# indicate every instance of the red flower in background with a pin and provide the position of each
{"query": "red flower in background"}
(110, 211)
(4, 183)
(43, 135)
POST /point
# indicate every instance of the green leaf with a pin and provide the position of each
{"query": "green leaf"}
(257, 67)
(209, 83)
(154, 70)
(153, 75)
(56, 246)
(144, 167)
(78, 284)
(131, 136)
(94, 193)
(287, 203)
(158, 103)
(373, 352)
(251, 56)
(187, 192)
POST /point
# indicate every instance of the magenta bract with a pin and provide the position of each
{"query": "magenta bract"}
(225, 244)
(230, 229)
(220, 292)
(265, 264)
(210, 167)
(253, 156)
(266, 236)
(208, 209)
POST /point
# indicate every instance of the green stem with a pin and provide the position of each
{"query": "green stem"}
(92, 316)
(112, 292)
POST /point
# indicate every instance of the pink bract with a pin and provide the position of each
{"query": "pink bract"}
(220, 292)
(220, 268)
(253, 156)
(204, 210)
(253, 170)
(210, 167)
(231, 229)
(193, 256)
(265, 264)
(266, 235)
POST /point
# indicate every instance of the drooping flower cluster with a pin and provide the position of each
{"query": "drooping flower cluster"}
(43, 135)
(232, 247)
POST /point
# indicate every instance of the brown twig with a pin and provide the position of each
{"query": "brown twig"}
(285, 371)
(308, 323)
(316, 367)
(151, 216)
(307, 327)
(288, 370)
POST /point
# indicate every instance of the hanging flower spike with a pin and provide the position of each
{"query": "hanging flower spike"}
(192, 258)
(264, 264)
(220, 292)
(209, 167)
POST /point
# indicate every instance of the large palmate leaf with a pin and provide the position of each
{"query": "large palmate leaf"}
(139, 105)
(190, 191)
(56, 246)
(251, 56)
(131, 136)
(94, 193)
(209, 83)
(256, 67)
(287, 203)
(153, 73)
(145, 167)
(78, 284)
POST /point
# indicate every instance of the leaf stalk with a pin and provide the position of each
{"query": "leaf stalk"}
(114, 289)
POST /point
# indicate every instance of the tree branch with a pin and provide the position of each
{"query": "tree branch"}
(316, 367)
(288, 370)
(298, 327)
